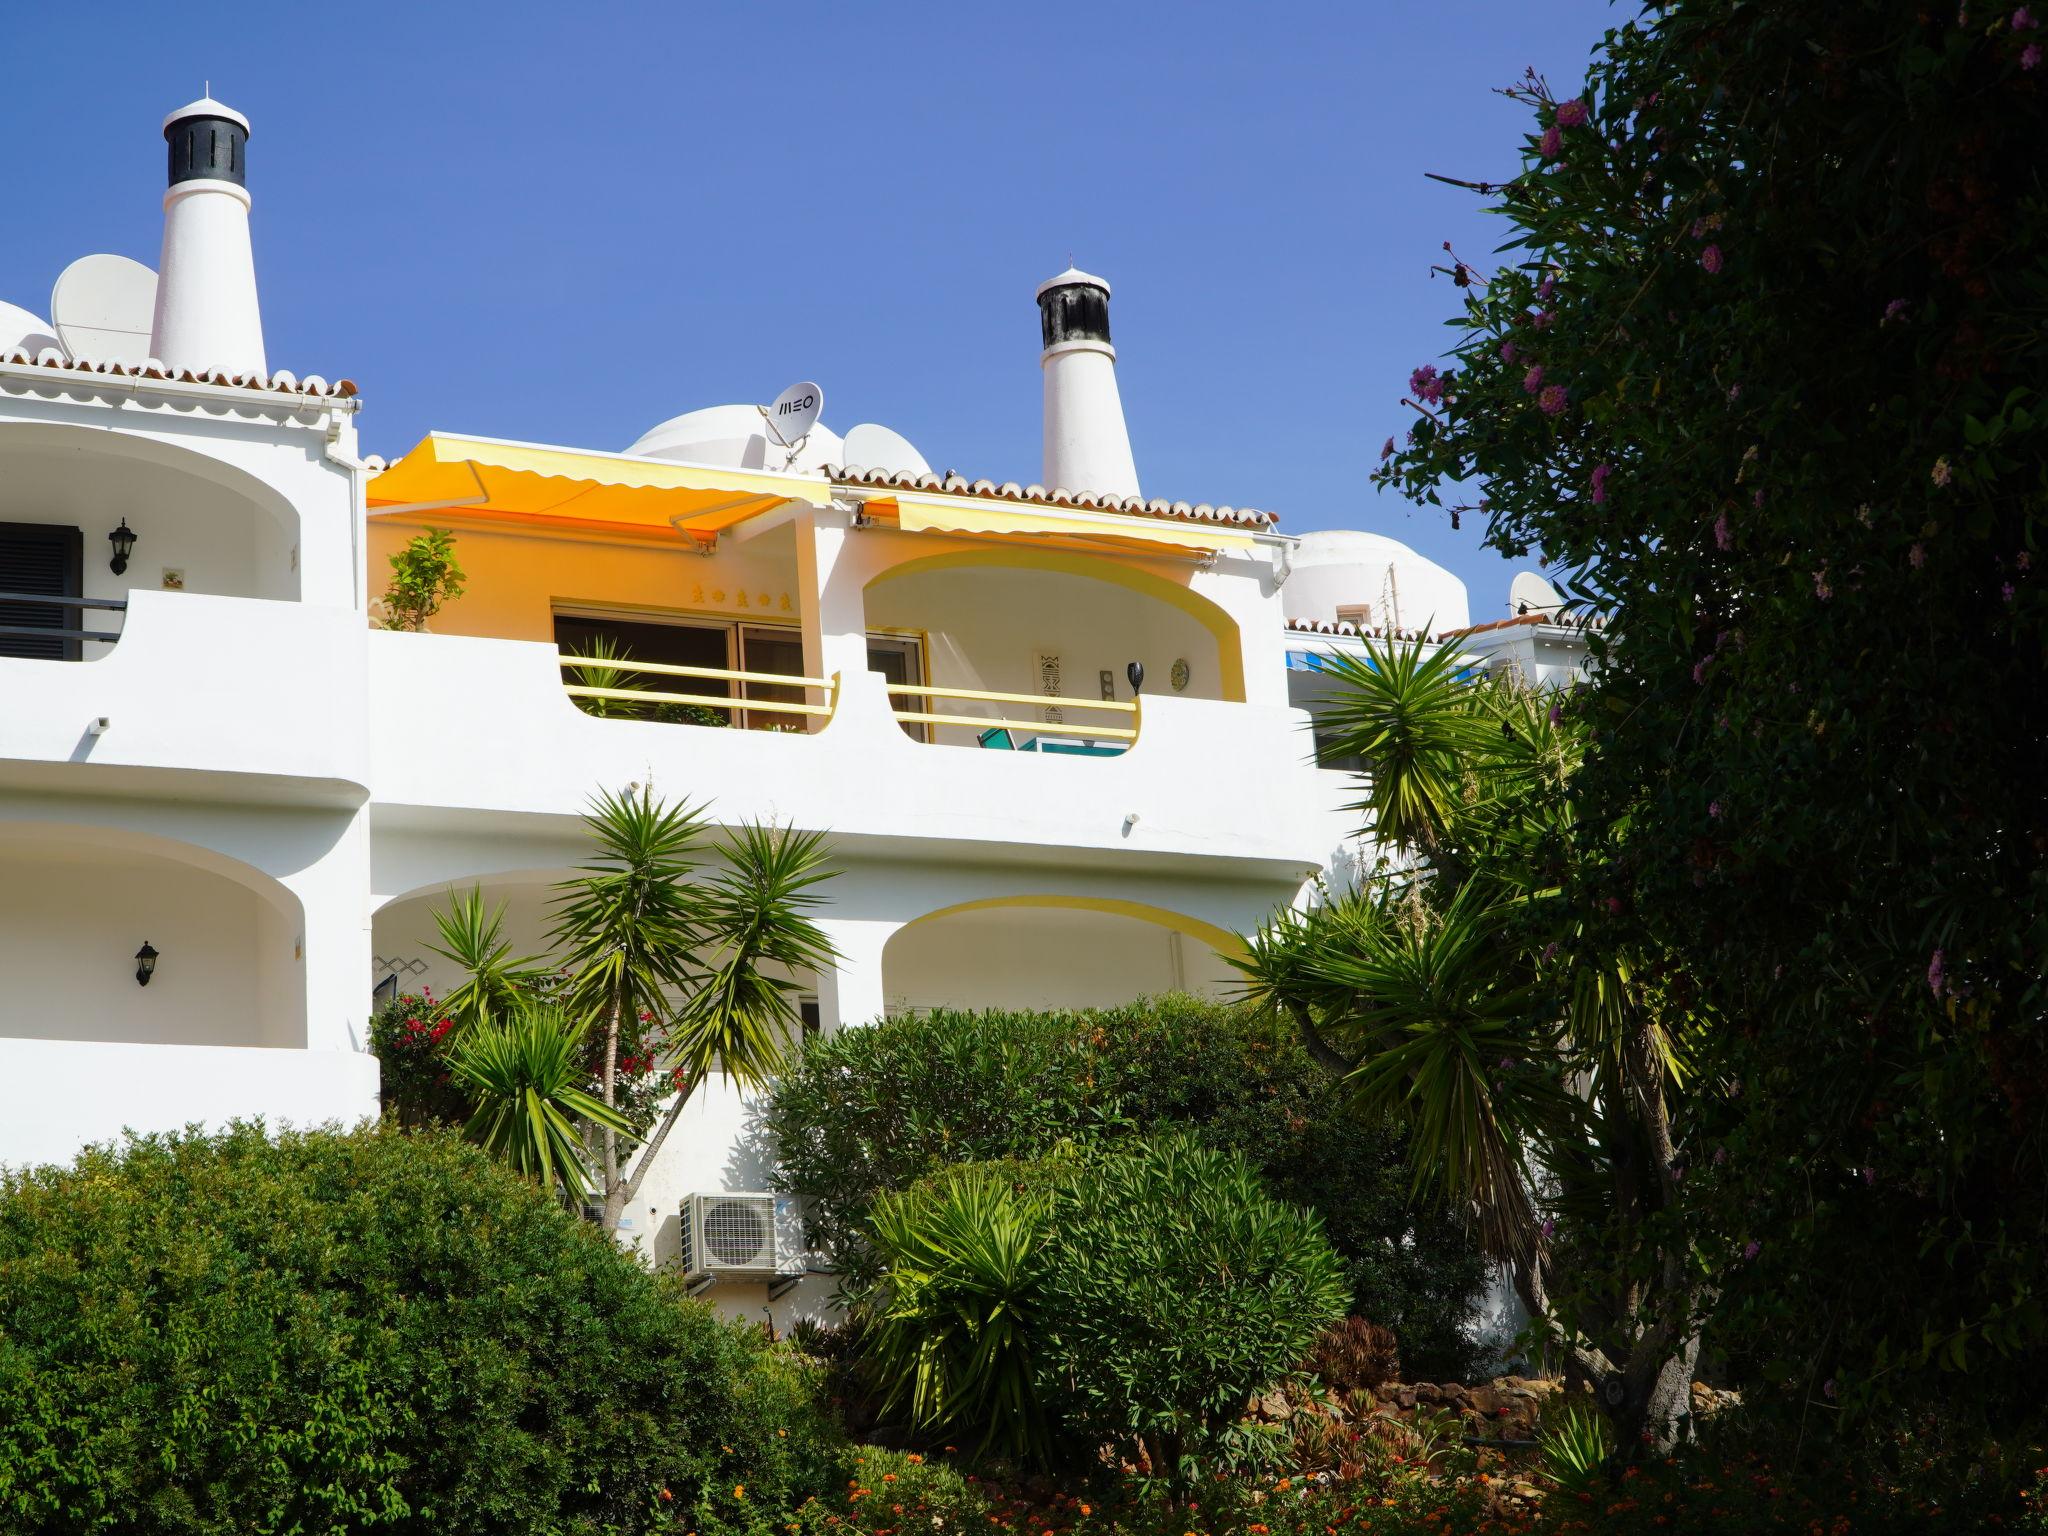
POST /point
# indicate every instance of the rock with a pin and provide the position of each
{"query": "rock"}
(1273, 1408)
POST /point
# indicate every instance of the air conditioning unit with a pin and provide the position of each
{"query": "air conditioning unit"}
(732, 1234)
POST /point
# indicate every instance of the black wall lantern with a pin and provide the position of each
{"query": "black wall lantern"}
(145, 964)
(1136, 673)
(123, 540)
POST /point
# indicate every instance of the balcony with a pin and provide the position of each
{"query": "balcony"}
(1173, 775)
(105, 1087)
(246, 697)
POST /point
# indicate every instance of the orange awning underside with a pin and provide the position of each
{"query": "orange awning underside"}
(560, 487)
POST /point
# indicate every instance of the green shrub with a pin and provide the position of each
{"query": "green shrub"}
(874, 1109)
(1176, 1289)
(1138, 1298)
(877, 1108)
(230, 1333)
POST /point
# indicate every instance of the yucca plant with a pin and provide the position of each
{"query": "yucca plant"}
(525, 1073)
(660, 944)
(950, 1341)
(1575, 1444)
(472, 935)
(1484, 988)
(609, 669)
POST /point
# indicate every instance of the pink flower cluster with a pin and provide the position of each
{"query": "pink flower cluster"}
(1427, 385)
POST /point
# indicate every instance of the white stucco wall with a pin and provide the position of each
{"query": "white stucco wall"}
(986, 628)
(72, 918)
(1012, 957)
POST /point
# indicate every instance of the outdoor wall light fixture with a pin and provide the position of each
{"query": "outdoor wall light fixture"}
(1136, 673)
(145, 964)
(123, 540)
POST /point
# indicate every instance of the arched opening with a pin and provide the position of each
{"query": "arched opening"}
(1054, 952)
(77, 903)
(199, 526)
(1052, 622)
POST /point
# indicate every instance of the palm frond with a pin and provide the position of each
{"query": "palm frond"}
(756, 912)
(524, 1076)
(1406, 710)
(473, 937)
(628, 925)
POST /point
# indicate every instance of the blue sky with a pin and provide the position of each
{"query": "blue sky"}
(567, 222)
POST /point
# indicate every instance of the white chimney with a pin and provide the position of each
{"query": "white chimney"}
(206, 313)
(1087, 447)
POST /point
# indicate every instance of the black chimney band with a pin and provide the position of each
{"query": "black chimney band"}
(208, 149)
(1079, 312)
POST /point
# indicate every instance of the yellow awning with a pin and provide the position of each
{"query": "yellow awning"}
(526, 482)
(978, 515)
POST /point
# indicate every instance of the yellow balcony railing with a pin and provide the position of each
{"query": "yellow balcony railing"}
(608, 666)
(1105, 732)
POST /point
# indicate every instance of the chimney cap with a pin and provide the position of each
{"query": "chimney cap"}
(206, 106)
(1073, 277)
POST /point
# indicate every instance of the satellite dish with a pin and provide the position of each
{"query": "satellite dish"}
(869, 446)
(793, 413)
(104, 308)
(21, 331)
(1530, 593)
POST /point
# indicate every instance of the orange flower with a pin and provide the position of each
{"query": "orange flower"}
(739, 1490)
(888, 1477)
(914, 1459)
(666, 1496)
(1086, 1510)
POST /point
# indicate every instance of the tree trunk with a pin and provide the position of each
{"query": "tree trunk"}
(608, 1139)
(1657, 1416)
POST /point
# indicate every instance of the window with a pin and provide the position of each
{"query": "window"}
(38, 559)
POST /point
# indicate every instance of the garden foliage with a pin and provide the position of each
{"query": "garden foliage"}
(232, 1334)
(1760, 375)
(1136, 1298)
(877, 1109)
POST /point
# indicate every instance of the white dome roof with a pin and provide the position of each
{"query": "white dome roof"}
(1349, 567)
(735, 437)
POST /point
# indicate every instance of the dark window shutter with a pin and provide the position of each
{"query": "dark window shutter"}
(37, 558)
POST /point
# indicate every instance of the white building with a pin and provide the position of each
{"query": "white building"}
(211, 759)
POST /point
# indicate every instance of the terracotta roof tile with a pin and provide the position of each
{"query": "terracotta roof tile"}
(1344, 627)
(282, 382)
(1059, 496)
(1554, 620)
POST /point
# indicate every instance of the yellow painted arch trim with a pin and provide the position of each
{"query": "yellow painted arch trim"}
(1222, 940)
(1229, 641)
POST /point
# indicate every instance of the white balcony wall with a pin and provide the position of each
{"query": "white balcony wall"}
(224, 685)
(56, 1096)
(1205, 777)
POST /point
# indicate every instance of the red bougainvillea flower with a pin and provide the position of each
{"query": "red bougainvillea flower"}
(1554, 399)
(1386, 450)
(1570, 114)
(1601, 475)
(1724, 535)
(1552, 142)
(1710, 258)
(1532, 380)
(2030, 56)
